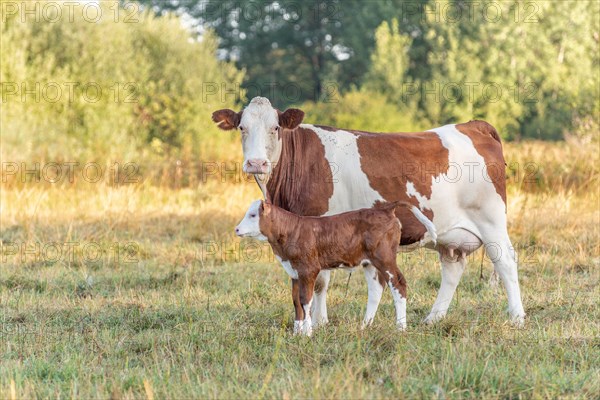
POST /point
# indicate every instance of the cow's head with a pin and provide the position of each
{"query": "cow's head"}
(260, 125)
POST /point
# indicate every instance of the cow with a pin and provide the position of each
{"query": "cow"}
(305, 246)
(455, 174)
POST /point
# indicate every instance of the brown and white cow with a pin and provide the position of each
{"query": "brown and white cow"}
(305, 246)
(455, 174)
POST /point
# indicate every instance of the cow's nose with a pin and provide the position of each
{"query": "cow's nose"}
(257, 166)
(257, 162)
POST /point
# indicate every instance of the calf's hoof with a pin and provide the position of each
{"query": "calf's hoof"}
(303, 328)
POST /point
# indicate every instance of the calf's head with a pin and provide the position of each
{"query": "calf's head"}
(250, 224)
(260, 125)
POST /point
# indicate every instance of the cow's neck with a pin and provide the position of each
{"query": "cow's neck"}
(301, 181)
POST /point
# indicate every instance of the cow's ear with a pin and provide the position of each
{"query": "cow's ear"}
(290, 118)
(227, 119)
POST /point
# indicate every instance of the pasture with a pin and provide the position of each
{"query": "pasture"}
(157, 298)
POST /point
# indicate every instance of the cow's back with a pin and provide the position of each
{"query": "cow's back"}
(326, 171)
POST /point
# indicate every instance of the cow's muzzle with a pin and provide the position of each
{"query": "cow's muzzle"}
(256, 166)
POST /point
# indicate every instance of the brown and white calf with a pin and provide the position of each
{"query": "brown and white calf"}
(305, 246)
(455, 174)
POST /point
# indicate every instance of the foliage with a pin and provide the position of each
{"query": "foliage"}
(530, 68)
(129, 89)
(360, 109)
(292, 50)
(512, 74)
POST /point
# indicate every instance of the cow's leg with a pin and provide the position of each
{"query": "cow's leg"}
(319, 306)
(375, 290)
(500, 250)
(452, 270)
(306, 290)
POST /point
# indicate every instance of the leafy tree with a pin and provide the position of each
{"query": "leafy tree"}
(291, 50)
(530, 78)
(111, 90)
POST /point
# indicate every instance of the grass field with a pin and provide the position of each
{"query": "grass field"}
(142, 291)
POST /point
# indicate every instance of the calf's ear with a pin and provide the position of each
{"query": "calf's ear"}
(290, 118)
(227, 119)
(265, 207)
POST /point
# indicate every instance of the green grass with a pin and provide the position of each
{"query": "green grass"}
(225, 331)
(167, 318)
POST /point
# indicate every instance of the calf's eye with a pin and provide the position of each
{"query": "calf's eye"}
(252, 215)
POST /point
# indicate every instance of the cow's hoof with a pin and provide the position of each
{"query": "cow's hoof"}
(401, 327)
(518, 321)
(365, 324)
(434, 318)
(319, 322)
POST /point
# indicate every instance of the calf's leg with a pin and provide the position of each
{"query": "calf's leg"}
(375, 290)
(397, 285)
(305, 296)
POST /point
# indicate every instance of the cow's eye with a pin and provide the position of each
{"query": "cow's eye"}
(274, 129)
(242, 128)
(252, 215)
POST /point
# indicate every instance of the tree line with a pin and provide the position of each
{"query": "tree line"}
(141, 78)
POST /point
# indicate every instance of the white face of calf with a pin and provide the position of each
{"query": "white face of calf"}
(260, 126)
(250, 225)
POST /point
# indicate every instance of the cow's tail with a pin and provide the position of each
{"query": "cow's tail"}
(426, 222)
(416, 212)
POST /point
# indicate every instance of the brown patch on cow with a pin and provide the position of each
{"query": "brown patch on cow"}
(296, 185)
(391, 160)
(487, 142)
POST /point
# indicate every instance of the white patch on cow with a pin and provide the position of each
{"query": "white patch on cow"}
(412, 191)
(458, 196)
(260, 140)
(249, 226)
(351, 187)
(288, 268)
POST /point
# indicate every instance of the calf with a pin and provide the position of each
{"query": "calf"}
(306, 245)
